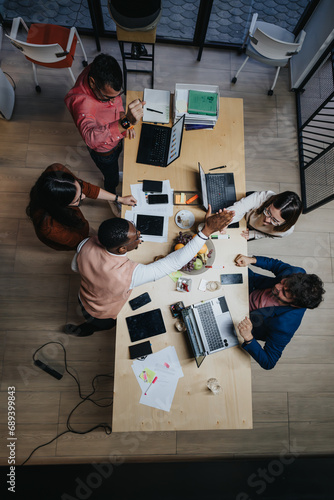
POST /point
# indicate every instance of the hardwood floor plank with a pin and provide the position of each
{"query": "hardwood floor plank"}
(303, 378)
(305, 347)
(29, 436)
(22, 286)
(270, 407)
(312, 437)
(42, 260)
(8, 231)
(87, 413)
(32, 315)
(98, 444)
(311, 407)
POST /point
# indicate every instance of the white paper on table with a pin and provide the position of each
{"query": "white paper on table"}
(159, 208)
(161, 394)
(131, 216)
(168, 370)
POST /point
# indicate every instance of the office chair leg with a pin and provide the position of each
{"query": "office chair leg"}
(271, 90)
(37, 87)
(72, 76)
(234, 79)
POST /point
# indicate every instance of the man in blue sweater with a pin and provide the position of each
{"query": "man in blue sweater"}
(277, 306)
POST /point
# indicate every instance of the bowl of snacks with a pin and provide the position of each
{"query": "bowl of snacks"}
(204, 257)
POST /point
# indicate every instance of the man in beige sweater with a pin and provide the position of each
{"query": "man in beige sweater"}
(108, 275)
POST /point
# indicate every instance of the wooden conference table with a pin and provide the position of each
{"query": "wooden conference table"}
(194, 406)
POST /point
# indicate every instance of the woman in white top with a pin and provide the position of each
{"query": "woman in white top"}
(268, 215)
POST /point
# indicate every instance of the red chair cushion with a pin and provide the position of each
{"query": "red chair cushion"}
(45, 34)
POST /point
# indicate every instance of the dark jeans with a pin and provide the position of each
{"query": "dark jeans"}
(93, 324)
(108, 165)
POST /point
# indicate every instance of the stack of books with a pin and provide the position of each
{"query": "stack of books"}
(200, 104)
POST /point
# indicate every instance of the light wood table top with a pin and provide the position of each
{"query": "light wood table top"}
(194, 407)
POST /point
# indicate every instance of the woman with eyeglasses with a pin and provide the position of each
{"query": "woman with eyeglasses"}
(54, 207)
(268, 215)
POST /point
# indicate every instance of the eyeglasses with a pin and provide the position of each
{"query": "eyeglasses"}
(106, 98)
(274, 221)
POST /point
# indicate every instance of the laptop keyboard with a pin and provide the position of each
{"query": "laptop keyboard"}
(159, 145)
(210, 327)
(216, 197)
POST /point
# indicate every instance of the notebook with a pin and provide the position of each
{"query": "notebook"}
(157, 106)
(159, 145)
(209, 327)
(218, 190)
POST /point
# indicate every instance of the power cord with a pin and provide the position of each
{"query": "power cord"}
(70, 429)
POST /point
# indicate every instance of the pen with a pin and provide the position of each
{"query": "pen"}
(220, 237)
(154, 110)
(216, 168)
(153, 382)
(214, 267)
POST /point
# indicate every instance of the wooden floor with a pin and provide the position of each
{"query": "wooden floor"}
(293, 404)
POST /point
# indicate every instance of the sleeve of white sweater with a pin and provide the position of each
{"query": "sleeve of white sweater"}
(248, 203)
(173, 262)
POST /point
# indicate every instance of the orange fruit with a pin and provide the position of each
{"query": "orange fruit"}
(178, 246)
(204, 249)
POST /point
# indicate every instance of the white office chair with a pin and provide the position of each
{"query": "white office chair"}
(47, 45)
(270, 44)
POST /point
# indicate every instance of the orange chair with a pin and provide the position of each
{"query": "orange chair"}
(47, 45)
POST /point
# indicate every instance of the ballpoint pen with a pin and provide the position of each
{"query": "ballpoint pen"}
(216, 168)
(153, 382)
(154, 110)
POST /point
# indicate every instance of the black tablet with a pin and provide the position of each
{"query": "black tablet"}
(150, 224)
(145, 325)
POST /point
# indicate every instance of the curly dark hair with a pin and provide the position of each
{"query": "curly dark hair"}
(290, 206)
(306, 289)
(113, 233)
(106, 71)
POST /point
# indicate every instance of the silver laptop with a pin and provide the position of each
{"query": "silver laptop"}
(209, 327)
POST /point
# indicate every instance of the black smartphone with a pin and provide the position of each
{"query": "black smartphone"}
(153, 186)
(231, 279)
(153, 199)
(139, 301)
(139, 350)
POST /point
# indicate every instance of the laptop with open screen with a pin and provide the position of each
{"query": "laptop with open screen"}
(160, 145)
(209, 327)
(218, 190)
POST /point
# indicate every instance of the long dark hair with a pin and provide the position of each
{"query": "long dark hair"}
(290, 206)
(51, 195)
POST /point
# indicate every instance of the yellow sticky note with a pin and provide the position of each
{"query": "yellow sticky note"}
(147, 375)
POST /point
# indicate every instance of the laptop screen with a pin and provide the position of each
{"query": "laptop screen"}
(175, 140)
(203, 187)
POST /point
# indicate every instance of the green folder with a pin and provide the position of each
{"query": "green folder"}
(202, 103)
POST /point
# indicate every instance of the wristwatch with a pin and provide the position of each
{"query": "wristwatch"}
(125, 122)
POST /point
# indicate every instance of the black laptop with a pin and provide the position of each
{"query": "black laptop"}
(159, 145)
(218, 190)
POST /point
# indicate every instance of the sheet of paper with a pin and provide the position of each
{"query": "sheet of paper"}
(166, 366)
(159, 100)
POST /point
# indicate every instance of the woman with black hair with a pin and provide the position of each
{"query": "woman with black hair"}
(54, 207)
(268, 215)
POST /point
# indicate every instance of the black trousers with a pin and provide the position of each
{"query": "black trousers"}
(92, 324)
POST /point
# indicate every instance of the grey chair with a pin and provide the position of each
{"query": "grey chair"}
(271, 45)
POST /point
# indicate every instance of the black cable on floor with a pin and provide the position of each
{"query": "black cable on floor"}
(106, 427)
